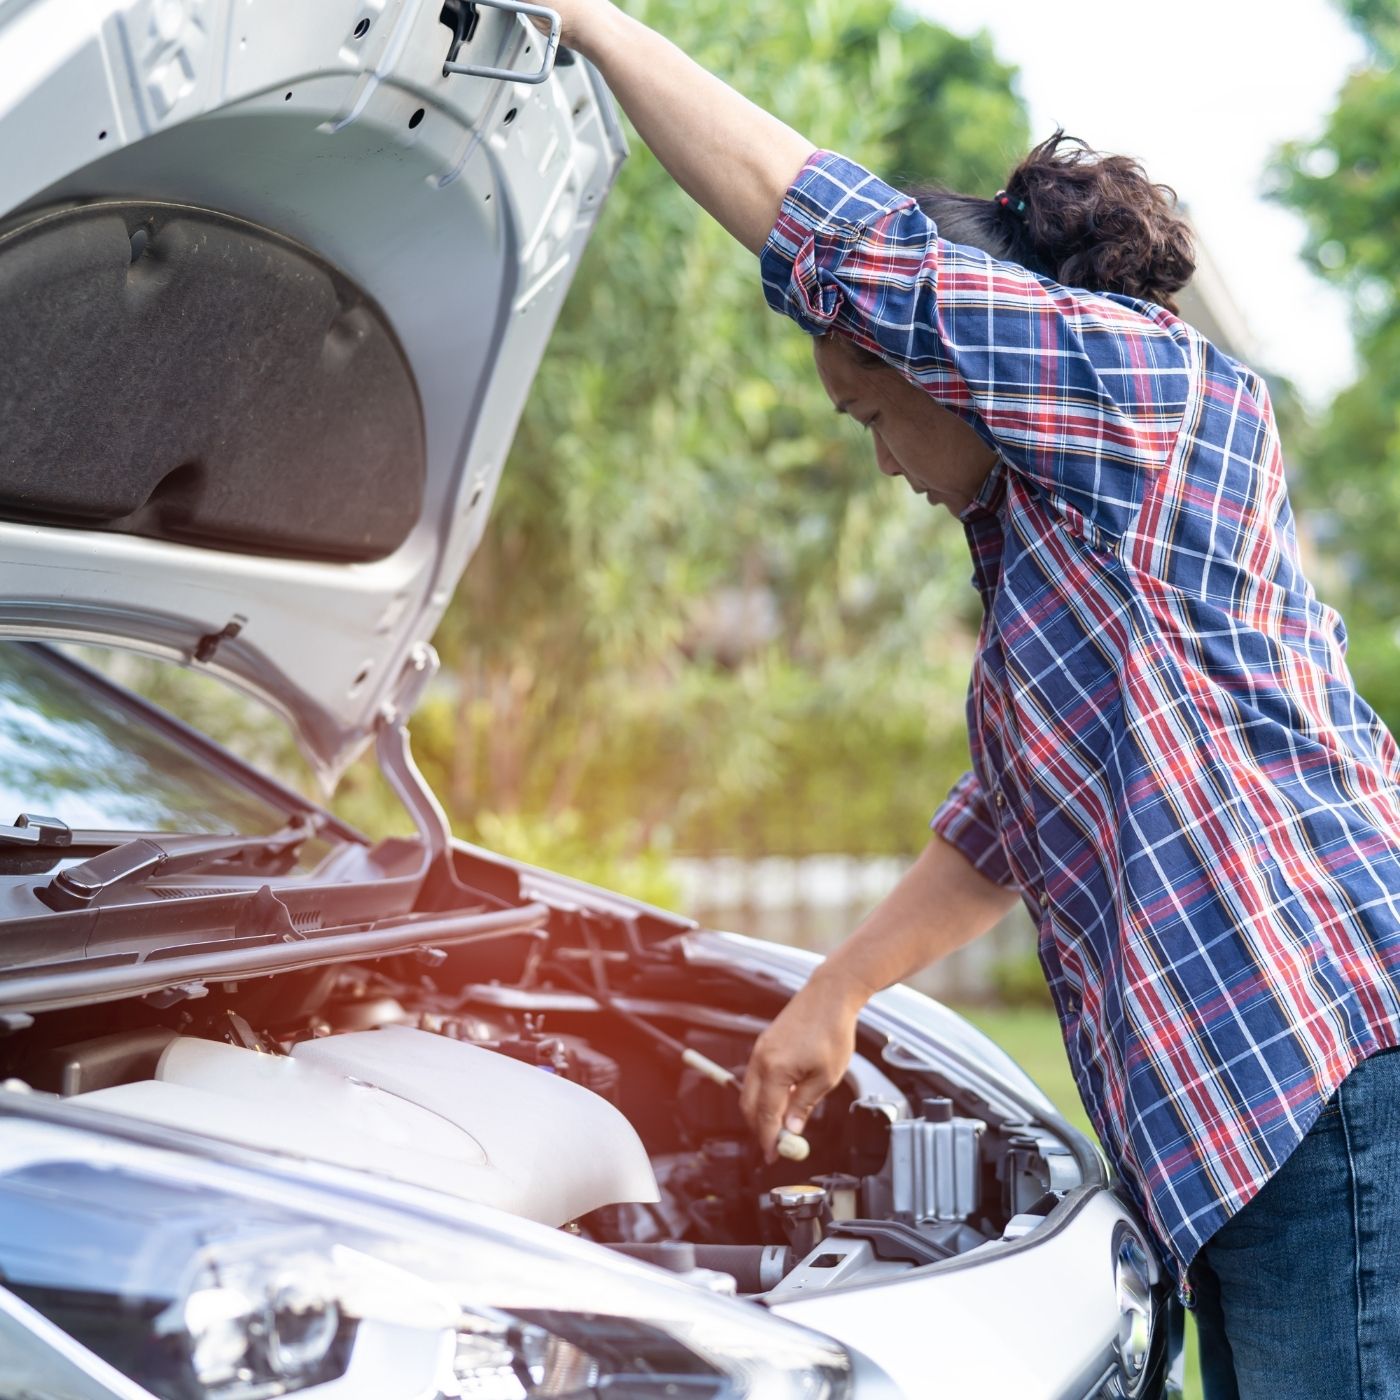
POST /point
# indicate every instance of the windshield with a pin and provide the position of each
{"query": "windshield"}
(69, 749)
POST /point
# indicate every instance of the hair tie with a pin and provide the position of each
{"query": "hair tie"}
(1017, 207)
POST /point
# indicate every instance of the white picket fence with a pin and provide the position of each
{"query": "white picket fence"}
(815, 901)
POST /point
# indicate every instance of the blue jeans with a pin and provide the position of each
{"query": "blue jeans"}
(1298, 1295)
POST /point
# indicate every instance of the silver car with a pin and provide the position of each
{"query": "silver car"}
(287, 1112)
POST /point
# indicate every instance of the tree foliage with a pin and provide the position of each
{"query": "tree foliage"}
(1346, 184)
(700, 618)
(700, 614)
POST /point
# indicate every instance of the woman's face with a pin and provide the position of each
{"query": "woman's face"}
(936, 452)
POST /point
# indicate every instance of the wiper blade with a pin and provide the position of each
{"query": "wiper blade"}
(31, 831)
(136, 862)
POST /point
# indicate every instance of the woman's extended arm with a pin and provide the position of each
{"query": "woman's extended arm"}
(940, 904)
(733, 158)
(1110, 382)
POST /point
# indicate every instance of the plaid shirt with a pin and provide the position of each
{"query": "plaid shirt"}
(1171, 763)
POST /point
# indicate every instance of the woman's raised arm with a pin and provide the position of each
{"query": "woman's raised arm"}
(733, 158)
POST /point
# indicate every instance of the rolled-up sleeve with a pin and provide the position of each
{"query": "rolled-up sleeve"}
(1081, 391)
(963, 821)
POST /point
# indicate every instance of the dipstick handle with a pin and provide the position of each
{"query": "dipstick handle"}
(793, 1146)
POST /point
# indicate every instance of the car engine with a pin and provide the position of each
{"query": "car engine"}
(527, 1094)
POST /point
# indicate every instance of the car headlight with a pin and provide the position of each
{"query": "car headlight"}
(206, 1282)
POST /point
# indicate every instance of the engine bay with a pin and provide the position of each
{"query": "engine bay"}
(501, 1080)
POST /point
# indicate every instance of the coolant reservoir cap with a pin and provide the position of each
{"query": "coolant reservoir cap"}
(791, 1197)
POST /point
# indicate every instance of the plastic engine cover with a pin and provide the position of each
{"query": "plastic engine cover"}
(410, 1105)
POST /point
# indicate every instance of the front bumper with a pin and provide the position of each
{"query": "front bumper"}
(1035, 1317)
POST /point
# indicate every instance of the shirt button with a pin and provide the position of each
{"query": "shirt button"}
(1072, 1004)
(1001, 798)
(1044, 901)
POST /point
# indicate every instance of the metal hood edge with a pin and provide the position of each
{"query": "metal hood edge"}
(455, 208)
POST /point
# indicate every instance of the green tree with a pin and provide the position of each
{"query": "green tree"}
(679, 477)
(678, 458)
(1346, 184)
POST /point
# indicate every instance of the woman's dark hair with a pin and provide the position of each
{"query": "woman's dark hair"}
(1090, 221)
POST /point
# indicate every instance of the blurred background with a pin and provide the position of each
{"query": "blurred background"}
(707, 654)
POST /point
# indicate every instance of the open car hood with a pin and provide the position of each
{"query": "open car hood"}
(273, 289)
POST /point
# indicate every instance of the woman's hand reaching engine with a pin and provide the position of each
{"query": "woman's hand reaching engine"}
(801, 1057)
(939, 904)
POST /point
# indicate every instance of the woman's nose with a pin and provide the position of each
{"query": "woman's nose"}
(884, 459)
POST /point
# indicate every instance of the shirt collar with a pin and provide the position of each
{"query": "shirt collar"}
(990, 494)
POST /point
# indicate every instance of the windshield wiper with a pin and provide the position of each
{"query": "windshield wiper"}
(136, 862)
(31, 831)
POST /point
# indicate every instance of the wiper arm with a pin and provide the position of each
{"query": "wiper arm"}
(31, 831)
(135, 862)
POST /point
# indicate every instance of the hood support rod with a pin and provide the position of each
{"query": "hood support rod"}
(395, 754)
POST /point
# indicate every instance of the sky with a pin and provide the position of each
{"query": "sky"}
(1202, 92)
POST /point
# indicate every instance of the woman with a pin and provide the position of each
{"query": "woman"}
(1171, 766)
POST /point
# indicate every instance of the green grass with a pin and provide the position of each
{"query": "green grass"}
(1031, 1037)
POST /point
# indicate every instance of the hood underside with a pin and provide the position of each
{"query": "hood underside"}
(273, 290)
